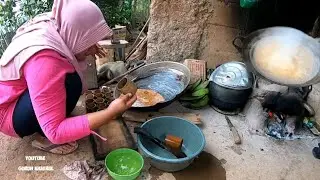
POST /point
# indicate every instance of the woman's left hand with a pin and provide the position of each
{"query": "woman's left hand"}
(100, 52)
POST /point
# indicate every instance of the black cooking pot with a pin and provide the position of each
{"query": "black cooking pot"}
(230, 86)
(228, 99)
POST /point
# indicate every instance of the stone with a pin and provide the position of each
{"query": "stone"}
(191, 29)
(176, 28)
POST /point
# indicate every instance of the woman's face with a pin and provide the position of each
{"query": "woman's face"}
(90, 51)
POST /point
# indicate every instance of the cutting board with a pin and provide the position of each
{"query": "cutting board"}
(131, 125)
(145, 116)
(118, 136)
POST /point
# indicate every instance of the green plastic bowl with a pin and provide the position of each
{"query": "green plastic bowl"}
(124, 164)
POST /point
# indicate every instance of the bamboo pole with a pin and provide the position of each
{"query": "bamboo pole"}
(144, 27)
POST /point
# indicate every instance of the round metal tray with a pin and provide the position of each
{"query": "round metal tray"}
(167, 78)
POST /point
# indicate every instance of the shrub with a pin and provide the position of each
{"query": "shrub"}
(14, 13)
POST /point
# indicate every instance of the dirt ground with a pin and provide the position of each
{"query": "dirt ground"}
(258, 157)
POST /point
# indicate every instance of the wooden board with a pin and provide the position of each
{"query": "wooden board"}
(108, 45)
(90, 73)
(144, 116)
(118, 136)
(198, 69)
(317, 125)
(131, 125)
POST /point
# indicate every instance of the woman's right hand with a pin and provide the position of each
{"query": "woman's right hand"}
(117, 107)
(123, 103)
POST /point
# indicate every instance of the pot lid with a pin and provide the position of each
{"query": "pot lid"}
(232, 75)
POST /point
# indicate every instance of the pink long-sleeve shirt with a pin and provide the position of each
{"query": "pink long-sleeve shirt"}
(44, 76)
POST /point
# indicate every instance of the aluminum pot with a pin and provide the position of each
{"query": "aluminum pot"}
(230, 86)
(287, 36)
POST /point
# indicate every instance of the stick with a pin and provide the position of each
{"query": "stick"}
(145, 25)
(122, 75)
(135, 48)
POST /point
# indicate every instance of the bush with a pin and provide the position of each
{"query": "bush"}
(132, 13)
(116, 11)
(140, 13)
(13, 15)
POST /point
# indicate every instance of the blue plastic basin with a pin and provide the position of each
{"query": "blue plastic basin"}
(193, 142)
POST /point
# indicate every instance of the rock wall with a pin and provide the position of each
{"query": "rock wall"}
(200, 29)
(176, 29)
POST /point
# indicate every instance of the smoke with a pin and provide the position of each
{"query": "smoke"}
(285, 56)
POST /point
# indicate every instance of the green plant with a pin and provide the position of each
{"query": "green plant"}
(140, 13)
(8, 23)
(13, 15)
(116, 11)
(132, 13)
(30, 8)
(8, 20)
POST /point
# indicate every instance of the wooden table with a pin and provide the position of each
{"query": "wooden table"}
(119, 48)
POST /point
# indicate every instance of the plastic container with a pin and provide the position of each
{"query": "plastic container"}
(124, 164)
(193, 142)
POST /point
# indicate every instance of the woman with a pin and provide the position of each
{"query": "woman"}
(41, 79)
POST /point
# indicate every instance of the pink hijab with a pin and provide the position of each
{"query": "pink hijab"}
(72, 27)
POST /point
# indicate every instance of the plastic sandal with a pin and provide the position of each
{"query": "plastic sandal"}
(51, 148)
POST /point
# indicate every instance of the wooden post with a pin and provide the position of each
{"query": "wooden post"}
(91, 73)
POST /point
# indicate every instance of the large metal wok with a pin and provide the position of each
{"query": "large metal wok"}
(169, 79)
(287, 36)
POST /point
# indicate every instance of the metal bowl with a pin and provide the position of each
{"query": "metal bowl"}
(167, 78)
(288, 36)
